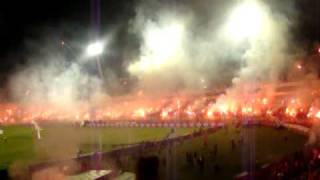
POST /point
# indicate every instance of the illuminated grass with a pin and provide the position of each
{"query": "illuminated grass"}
(61, 141)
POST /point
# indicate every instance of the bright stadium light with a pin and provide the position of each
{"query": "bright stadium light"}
(163, 42)
(162, 46)
(246, 21)
(95, 49)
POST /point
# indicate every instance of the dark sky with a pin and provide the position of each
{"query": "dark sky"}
(308, 20)
(19, 18)
(21, 21)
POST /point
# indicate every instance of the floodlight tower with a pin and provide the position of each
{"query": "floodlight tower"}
(95, 49)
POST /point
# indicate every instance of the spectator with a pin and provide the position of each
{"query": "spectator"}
(233, 145)
(200, 162)
(205, 139)
(189, 159)
(216, 168)
(148, 168)
(215, 150)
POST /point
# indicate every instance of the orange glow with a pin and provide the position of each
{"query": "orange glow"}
(223, 109)
(178, 107)
(291, 112)
(209, 114)
(164, 114)
(264, 101)
(318, 115)
(299, 66)
(139, 113)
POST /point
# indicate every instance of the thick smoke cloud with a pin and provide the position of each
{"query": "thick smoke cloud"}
(190, 46)
(182, 46)
(51, 76)
(175, 52)
(267, 53)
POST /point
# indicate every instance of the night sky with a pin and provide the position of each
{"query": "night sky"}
(21, 20)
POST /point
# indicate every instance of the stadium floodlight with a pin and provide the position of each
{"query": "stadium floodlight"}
(95, 49)
(161, 46)
(246, 21)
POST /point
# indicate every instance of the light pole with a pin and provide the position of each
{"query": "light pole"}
(95, 50)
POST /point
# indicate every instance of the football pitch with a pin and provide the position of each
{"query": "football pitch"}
(19, 146)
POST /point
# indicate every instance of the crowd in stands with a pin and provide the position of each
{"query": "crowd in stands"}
(302, 165)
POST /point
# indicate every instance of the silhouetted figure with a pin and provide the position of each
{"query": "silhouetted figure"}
(118, 162)
(164, 162)
(189, 159)
(187, 156)
(200, 162)
(4, 174)
(240, 141)
(148, 168)
(215, 150)
(205, 139)
(194, 158)
(233, 145)
(216, 168)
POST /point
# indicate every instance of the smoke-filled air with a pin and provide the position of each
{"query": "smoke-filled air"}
(156, 78)
(202, 57)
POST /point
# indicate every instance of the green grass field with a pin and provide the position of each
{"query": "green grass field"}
(270, 145)
(60, 141)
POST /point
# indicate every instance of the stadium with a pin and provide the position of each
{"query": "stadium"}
(152, 90)
(170, 133)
